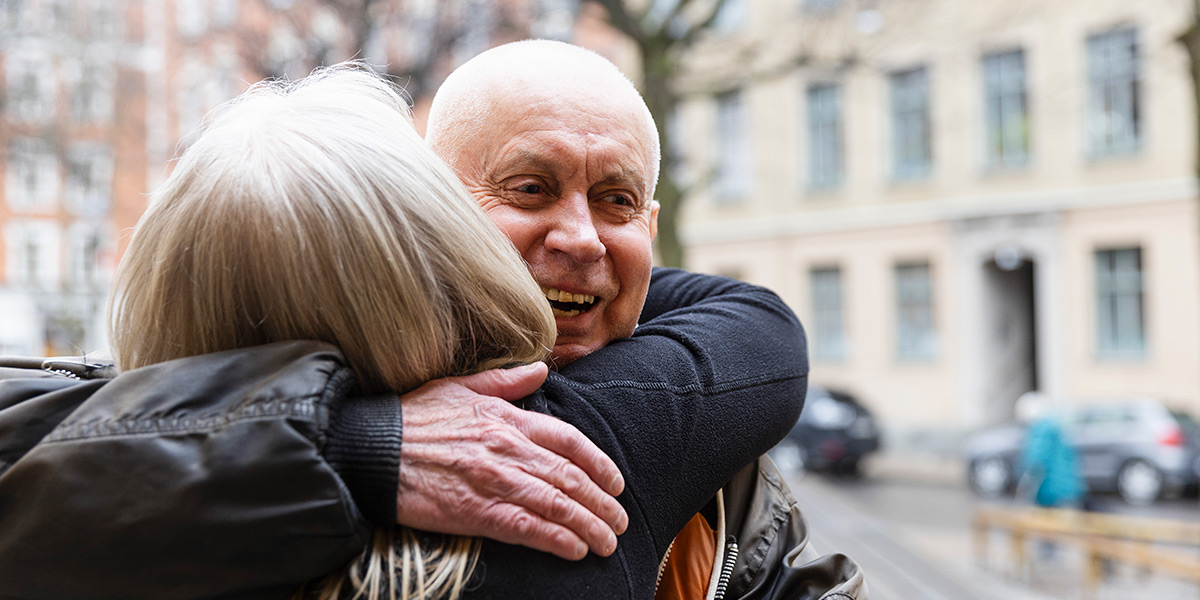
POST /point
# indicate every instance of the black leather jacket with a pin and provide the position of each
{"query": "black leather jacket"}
(218, 451)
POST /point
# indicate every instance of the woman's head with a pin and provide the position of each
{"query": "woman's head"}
(313, 210)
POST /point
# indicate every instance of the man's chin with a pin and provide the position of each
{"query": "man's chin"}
(567, 353)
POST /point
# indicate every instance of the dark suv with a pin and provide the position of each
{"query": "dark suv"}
(834, 432)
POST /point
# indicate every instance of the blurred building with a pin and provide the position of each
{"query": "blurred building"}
(99, 95)
(964, 201)
(72, 155)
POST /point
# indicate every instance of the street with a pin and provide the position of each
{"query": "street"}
(913, 540)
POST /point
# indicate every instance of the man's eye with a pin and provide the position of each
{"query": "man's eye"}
(619, 200)
(530, 188)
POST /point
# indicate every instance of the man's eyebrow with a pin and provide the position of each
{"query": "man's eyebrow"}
(538, 161)
(528, 159)
(632, 177)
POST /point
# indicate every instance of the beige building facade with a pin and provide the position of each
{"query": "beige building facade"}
(963, 201)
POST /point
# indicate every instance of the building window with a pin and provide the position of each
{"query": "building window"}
(86, 245)
(675, 158)
(1120, 307)
(92, 98)
(915, 335)
(89, 180)
(912, 150)
(733, 179)
(32, 179)
(13, 15)
(1006, 116)
(56, 16)
(106, 20)
(30, 90)
(31, 250)
(192, 96)
(190, 17)
(829, 329)
(1114, 111)
(824, 136)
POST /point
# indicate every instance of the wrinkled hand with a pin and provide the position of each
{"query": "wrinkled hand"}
(473, 464)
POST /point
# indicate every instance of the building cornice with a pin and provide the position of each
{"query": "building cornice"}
(876, 216)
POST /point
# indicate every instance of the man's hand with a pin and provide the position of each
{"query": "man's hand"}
(473, 464)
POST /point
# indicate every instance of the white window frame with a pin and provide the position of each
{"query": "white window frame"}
(734, 179)
(32, 177)
(828, 311)
(89, 179)
(87, 245)
(97, 106)
(916, 329)
(1115, 112)
(29, 95)
(912, 125)
(42, 238)
(825, 142)
(1006, 109)
(107, 19)
(1120, 303)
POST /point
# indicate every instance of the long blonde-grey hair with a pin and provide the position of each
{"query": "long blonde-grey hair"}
(313, 210)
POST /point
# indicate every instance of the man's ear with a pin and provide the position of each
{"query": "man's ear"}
(654, 206)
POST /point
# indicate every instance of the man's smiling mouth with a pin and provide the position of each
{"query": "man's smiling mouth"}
(566, 304)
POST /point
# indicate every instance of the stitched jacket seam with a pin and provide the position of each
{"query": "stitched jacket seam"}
(127, 427)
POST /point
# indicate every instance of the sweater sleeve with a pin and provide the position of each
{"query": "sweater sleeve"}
(211, 476)
(714, 375)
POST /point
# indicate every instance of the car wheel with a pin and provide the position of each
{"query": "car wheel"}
(789, 457)
(990, 476)
(1139, 482)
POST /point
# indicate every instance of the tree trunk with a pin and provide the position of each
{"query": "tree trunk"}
(658, 69)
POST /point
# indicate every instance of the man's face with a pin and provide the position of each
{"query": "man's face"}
(568, 183)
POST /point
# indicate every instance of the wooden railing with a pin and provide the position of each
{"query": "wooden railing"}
(1147, 543)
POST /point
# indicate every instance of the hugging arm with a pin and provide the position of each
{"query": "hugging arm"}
(239, 474)
(714, 375)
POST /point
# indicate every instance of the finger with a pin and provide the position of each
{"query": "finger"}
(550, 486)
(580, 506)
(517, 525)
(510, 384)
(565, 440)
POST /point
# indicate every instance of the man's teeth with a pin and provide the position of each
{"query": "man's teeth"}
(555, 295)
(561, 296)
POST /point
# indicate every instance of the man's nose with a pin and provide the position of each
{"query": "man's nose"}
(573, 232)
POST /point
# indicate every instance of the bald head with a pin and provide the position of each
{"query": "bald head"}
(522, 78)
(559, 149)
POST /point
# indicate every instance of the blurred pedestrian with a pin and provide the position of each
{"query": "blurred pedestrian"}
(1049, 461)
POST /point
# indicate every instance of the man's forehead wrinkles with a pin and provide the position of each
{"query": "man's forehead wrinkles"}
(602, 164)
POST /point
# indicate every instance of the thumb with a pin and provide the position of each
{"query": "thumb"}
(509, 384)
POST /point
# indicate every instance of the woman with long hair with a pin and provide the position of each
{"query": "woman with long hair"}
(312, 210)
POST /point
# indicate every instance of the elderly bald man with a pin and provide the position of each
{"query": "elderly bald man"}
(568, 174)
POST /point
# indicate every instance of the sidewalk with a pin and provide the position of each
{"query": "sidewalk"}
(1057, 573)
(916, 467)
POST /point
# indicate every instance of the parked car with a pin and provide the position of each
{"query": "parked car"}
(1135, 447)
(834, 433)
